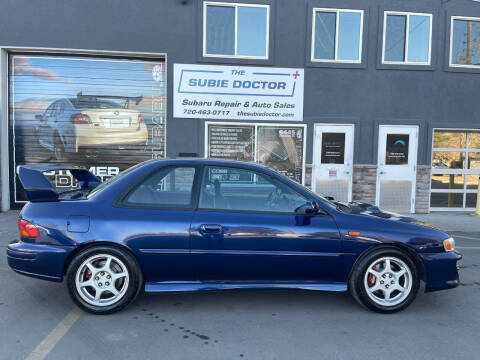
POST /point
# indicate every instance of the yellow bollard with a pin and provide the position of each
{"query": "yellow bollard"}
(477, 212)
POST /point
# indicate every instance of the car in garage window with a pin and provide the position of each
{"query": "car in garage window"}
(205, 224)
(81, 125)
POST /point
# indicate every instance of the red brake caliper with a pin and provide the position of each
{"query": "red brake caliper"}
(88, 272)
(371, 278)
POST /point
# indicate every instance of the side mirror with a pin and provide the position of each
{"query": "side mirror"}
(38, 117)
(309, 208)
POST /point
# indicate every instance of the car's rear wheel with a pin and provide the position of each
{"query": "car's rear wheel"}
(385, 280)
(58, 149)
(103, 279)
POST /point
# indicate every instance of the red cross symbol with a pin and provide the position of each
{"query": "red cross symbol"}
(297, 74)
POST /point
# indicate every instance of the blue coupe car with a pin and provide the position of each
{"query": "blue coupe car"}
(200, 224)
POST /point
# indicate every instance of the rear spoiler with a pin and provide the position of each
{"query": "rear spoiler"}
(39, 189)
(137, 99)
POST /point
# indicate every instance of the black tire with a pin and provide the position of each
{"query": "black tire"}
(58, 149)
(357, 286)
(135, 281)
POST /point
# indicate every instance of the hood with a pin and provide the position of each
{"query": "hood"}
(361, 208)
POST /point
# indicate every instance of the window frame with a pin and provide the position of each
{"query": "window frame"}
(321, 212)
(407, 14)
(450, 50)
(463, 171)
(121, 199)
(360, 39)
(235, 6)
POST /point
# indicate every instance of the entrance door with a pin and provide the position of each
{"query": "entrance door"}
(333, 161)
(397, 168)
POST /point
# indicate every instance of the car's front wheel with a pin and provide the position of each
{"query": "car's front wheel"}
(103, 279)
(386, 280)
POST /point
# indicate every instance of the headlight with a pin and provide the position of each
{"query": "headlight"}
(449, 244)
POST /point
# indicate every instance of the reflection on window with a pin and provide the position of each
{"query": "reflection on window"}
(474, 140)
(472, 181)
(171, 186)
(465, 40)
(447, 181)
(236, 30)
(225, 188)
(337, 35)
(407, 38)
(471, 201)
(474, 160)
(454, 180)
(446, 200)
(446, 139)
(448, 160)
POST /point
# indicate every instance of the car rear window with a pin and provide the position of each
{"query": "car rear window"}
(85, 104)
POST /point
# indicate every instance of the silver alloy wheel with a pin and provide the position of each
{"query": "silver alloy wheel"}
(388, 281)
(102, 280)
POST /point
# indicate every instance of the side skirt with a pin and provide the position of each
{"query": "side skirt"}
(202, 286)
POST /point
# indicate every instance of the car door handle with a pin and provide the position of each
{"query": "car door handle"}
(211, 228)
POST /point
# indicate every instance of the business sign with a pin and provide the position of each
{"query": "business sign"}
(237, 92)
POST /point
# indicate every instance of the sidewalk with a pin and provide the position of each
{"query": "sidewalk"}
(451, 221)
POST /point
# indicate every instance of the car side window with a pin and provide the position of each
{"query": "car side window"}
(168, 187)
(50, 110)
(228, 188)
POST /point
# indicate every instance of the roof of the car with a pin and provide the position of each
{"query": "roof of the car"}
(206, 161)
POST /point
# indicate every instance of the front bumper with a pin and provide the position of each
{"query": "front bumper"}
(39, 261)
(441, 270)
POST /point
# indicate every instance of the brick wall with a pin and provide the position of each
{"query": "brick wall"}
(364, 183)
(422, 195)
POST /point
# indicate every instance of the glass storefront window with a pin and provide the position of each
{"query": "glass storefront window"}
(472, 181)
(455, 169)
(447, 181)
(333, 148)
(474, 140)
(446, 200)
(446, 139)
(474, 160)
(448, 160)
(471, 201)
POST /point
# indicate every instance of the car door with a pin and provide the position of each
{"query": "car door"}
(154, 219)
(246, 229)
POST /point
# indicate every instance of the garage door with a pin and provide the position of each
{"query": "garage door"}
(103, 113)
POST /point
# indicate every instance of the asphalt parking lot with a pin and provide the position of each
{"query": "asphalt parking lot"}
(38, 320)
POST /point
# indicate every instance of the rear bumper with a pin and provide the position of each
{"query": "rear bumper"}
(88, 137)
(39, 261)
(441, 270)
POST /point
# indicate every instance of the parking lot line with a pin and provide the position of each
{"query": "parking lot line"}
(47, 344)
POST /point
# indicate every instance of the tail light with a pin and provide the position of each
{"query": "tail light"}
(80, 119)
(140, 119)
(27, 229)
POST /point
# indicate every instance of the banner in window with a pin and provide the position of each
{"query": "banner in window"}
(280, 147)
(103, 113)
(237, 92)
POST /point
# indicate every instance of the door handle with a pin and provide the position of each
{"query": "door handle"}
(382, 172)
(211, 228)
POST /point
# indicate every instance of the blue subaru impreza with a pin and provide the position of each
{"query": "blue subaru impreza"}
(199, 224)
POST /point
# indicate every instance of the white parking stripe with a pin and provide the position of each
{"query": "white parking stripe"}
(47, 344)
